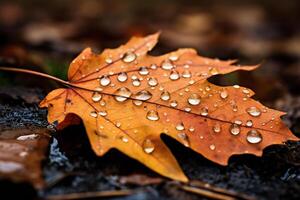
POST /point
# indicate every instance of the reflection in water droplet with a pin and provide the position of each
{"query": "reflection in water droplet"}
(217, 128)
(124, 139)
(148, 146)
(102, 103)
(194, 99)
(223, 94)
(238, 122)
(96, 97)
(254, 137)
(122, 76)
(246, 91)
(204, 111)
(191, 129)
(108, 60)
(143, 95)
(104, 80)
(165, 96)
(167, 65)
(180, 127)
(174, 75)
(137, 102)
(249, 123)
(184, 138)
(103, 113)
(143, 71)
(187, 109)
(173, 57)
(186, 74)
(122, 94)
(136, 82)
(213, 71)
(173, 103)
(93, 114)
(253, 111)
(118, 124)
(152, 115)
(129, 57)
(152, 82)
(212, 147)
(234, 129)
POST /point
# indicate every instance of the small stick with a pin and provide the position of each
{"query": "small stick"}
(85, 195)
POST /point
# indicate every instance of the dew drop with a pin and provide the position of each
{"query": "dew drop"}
(236, 86)
(148, 146)
(174, 75)
(212, 147)
(143, 71)
(223, 94)
(254, 137)
(118, 124)
(93, 114)
(108, 60)
(186, 74)
(165, 96)
(122, 94)
(136, 82)
(129, 57)
(104, 80)
(194, 99)
(180, 127)
(153, 66)
(234, 129)
(173, 57)
(217, 128)
(137, 102)
(102, 113)
(184, 138)
(238, 122)
(124, 139)
(187, 109)
(213, 71)
(191, 129)
(167, 65)
(246, 91)
(152, 115)
(204, 111)
(253, 111)
(152, 82)
(122, 76)
(173, 103)
(102, 103)
(249, 123)
(143, 95)
(96, 97)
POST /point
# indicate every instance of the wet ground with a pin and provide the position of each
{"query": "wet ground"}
(260, 31)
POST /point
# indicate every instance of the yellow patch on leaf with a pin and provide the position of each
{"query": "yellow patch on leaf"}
(127, 99)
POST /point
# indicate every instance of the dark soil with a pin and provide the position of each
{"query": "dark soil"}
(251, 31)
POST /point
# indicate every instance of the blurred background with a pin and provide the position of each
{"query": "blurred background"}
(47, 35)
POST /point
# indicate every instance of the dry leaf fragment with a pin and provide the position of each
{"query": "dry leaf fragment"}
(127, 98)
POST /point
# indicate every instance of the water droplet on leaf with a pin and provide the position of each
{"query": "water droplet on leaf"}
(148, 146)
(152, 115)
(254, 137)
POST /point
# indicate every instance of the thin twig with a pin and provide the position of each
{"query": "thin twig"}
(85, 195)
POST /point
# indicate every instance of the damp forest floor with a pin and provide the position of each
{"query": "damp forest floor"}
(35, 35)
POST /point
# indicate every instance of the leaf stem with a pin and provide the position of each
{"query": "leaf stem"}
(27, 71)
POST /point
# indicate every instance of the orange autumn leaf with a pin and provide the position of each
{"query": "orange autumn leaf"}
(127, 99)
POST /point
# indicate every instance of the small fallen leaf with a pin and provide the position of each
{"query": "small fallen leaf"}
(21, 153)
(127, 99)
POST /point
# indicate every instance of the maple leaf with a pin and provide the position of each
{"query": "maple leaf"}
(127, 99)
